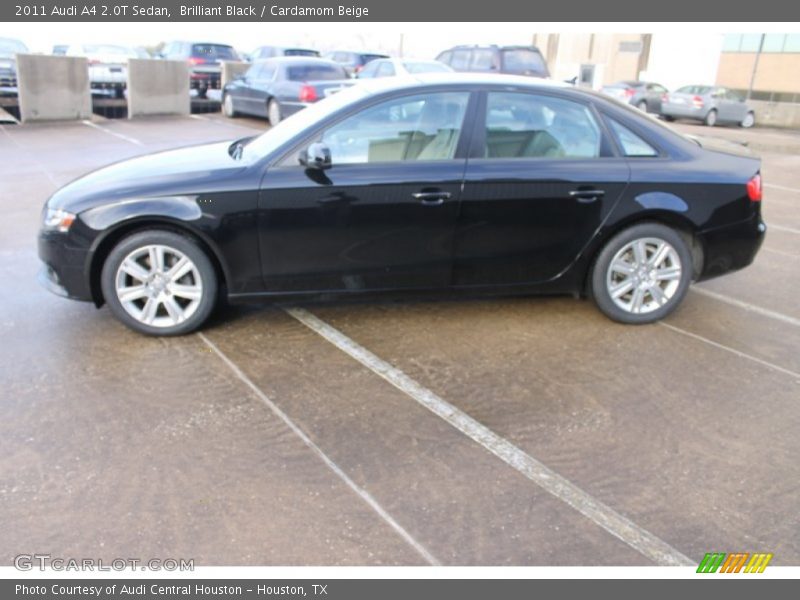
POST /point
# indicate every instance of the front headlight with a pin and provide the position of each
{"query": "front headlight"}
(56, 219)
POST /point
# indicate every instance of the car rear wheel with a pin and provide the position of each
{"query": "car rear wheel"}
(749, 120)
(711, 118)
(159, 283)
(274, 112)
(642, 106)
(642, 274)
(227, 107)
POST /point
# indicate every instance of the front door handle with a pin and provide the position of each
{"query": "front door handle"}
(586, 196)
(431, 198)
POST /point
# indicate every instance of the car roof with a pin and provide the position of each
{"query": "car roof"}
(465, 78)
(297, 60)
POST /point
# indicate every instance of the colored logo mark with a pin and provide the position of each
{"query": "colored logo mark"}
(738, 562)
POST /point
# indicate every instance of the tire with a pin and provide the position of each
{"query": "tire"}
(639, 302)
(274, 112)
(227, 107)
(711, 118)
(153, 302)
(669, 118)
(748, 121)
(642, 106)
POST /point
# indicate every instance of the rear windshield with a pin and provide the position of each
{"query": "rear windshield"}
(426, 67)
(10, 47)
(315, 73)
(214, 52)
(300, 52)
(522, 60)
(368, 57)
(106, 49)
(694, 89)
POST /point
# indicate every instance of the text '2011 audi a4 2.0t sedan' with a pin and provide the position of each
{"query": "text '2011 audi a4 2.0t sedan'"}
(457, 182)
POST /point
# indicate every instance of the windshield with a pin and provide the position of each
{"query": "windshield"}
(315, 73)
(9, 48)
(289, 128)
(426, 67)
(521, 60)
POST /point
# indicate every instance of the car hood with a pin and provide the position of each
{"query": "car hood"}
(186, 172)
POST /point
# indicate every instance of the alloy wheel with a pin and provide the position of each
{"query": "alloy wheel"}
(644, 275)
(158, 286)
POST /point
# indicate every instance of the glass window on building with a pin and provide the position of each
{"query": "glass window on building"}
(773, 42)
(732, 42)
(792, 43)
(750, 42)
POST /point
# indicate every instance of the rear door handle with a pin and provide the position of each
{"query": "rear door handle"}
(431, 198)
(586, 196)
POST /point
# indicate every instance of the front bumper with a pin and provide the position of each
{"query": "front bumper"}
(64, 270)
(731, 247)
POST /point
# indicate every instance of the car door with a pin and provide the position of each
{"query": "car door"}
(383, 215)
(738, 107)
(541, 176)
(655, 94)
(260, 87)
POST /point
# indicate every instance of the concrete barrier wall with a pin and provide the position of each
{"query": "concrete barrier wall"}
(158, 87)
(53, 87)
(776, 114)
(232, 69)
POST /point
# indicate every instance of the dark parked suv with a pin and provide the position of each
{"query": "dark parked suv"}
(205, 71)
(515, 60)
(353, 62)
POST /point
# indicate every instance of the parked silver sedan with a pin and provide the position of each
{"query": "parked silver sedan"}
(709, 104)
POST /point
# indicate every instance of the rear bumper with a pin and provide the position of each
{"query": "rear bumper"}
(63, 271)
(681, 111)
(731, 247)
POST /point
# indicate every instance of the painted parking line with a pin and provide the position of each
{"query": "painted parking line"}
(738, 353)
(32, 157)
(116, 134)
(782, 187)
(780, 252)
(772, 314)
(784, 229)
(337, 470)
(221, 123)
(596, 511)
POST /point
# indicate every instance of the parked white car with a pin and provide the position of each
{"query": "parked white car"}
(391, 67)
(108, 66)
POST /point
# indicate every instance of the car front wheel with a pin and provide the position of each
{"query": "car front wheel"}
(227, 107)
(748, 121)
(159, 283)
(642, 274)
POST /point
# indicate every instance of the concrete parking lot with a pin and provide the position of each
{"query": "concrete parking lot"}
(523, 431)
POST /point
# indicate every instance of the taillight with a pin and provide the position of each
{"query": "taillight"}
(308, 93)
(194, 60)
(754, 190)
(664, 97)
(93, 61)
(697, 101)
(629, 92)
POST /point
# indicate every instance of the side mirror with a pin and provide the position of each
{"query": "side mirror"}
(316, 156)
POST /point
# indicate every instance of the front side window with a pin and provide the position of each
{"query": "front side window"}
(421, 127)
(482, 60)
(632, 144)
(520, 125)
(523, 60)
(386, 69)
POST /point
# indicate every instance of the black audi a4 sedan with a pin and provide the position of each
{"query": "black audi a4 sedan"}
(459, 182)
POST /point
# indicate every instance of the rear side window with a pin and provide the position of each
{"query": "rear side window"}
(523, 60)
(460, 60)
(631, 144)
(700, 90)
(482, 60)
(386, 69)
(300, 52)
(315, 73)
(445, 57)
(521, 125)
(214, 52)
